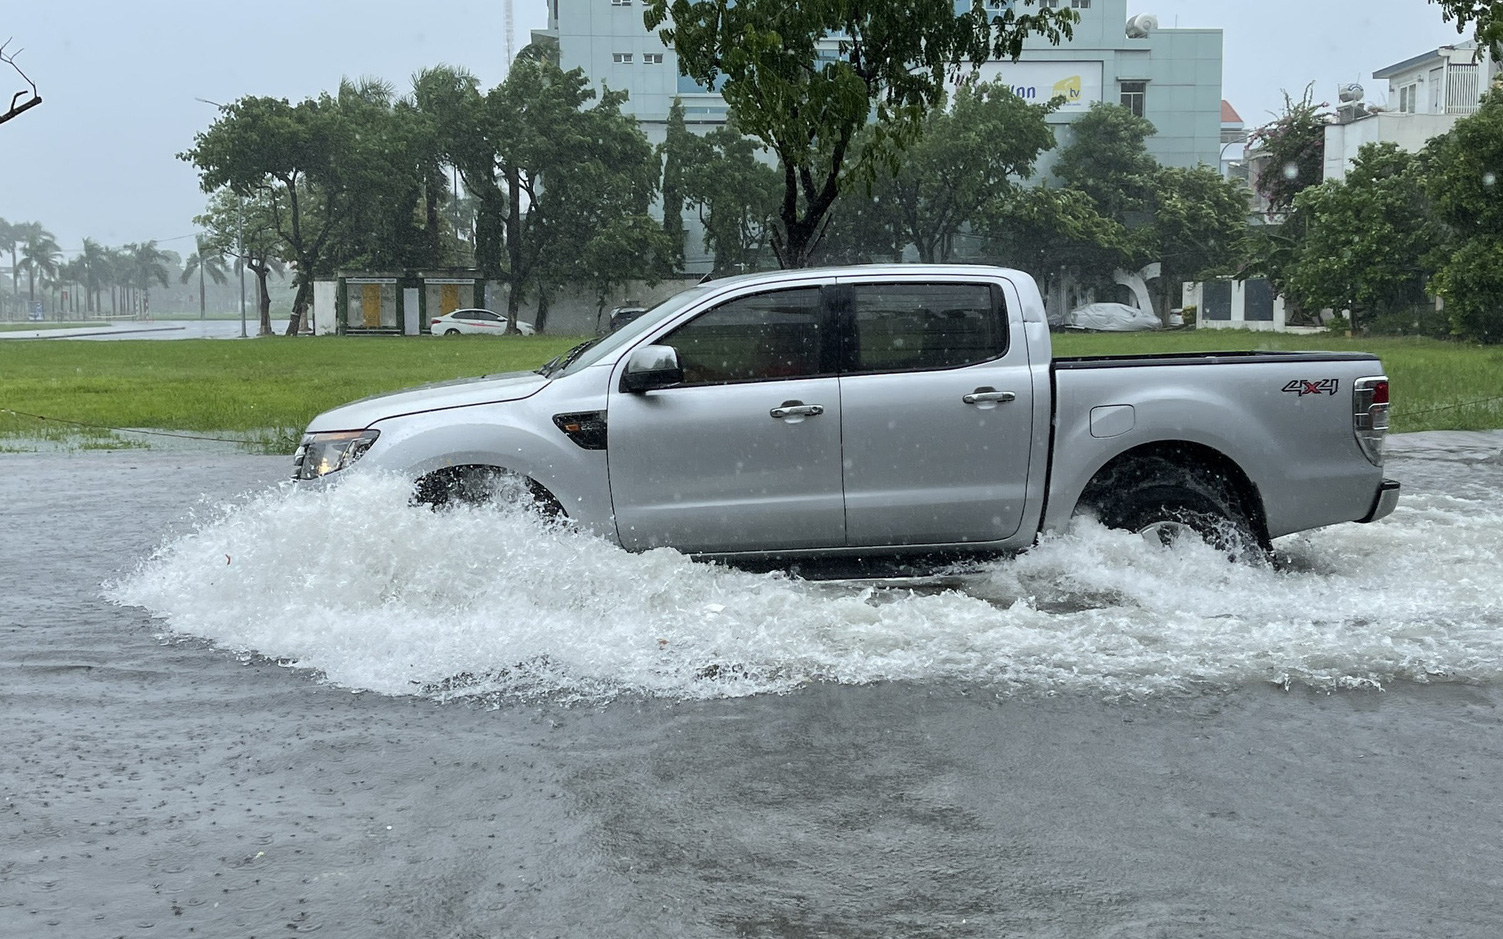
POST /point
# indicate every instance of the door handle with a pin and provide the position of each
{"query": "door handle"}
(796, 409)
(983, 395)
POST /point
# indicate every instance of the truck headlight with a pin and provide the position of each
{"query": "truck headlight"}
(322, 454)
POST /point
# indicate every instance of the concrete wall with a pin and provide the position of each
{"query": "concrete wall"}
(1233, 304)
(1410, 131)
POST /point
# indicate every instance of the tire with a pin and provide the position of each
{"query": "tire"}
(451, 332)
(1165, 502)
(484, 485)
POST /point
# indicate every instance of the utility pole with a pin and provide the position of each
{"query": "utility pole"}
(510, 33)
(240, 254)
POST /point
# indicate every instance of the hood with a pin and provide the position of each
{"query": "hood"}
(462, 392)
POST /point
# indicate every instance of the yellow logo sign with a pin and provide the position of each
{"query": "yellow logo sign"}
(1068, 88)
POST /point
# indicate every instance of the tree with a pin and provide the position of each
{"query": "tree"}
(805, 77)
(244, 230)
(1465, 184)
(1106, 159)
(1049, 231)
(678, 148)
(1368, 239)
(208, 259)
(147, 266)
(10, 239)
(1292, 152)
(735, 195)
(386, 179)
(463, 131)
(284, 154)
(96, 268)
(1485, 15)
(1198, 228)
(967, 155)
(40, 254)
(1289, 154)
(568, 171)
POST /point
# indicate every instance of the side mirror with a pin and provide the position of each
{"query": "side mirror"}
(651, 367)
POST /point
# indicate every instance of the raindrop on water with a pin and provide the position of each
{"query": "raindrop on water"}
(1489, 179)
(1291, 172)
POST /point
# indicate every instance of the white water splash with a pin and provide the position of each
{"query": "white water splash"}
(379, 595)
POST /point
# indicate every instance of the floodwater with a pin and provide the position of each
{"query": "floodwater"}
(229, 711)
(148, 329)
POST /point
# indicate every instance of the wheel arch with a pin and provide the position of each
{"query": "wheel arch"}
(1194, 458)
(438, 486)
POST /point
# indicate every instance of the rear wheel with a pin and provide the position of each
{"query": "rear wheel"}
(1165, 502)
(451, 332)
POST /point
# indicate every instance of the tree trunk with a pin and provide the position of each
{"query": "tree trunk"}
(513, 247)
(300, 303)
(263, 296)
(542, 319)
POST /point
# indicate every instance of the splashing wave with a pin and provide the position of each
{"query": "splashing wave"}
(379, 595)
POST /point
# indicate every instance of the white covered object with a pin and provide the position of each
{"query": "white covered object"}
(1111, 318)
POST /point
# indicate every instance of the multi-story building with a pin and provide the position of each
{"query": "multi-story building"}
(1170, 76)
(1427, 95)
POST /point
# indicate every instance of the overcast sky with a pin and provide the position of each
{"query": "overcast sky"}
(119, 80)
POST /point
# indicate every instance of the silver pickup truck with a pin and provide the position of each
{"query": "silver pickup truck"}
(883, 411)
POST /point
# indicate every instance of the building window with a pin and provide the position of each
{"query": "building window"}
(652, 58)
(1134, 95)
(621, 58)
(620, 3)
(1074, 4)
(1409, 99)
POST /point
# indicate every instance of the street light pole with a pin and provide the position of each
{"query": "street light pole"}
(240, 253)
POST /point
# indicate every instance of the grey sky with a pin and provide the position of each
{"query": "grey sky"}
(118, 80)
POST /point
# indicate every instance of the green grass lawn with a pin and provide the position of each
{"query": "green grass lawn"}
(266, 390)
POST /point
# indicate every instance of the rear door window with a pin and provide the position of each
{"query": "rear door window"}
(906, 327)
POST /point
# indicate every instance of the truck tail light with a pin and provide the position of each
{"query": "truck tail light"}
(1370, 416)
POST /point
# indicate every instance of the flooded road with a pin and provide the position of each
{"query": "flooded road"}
(231, 713)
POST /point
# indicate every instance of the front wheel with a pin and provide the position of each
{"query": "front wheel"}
(484, 485)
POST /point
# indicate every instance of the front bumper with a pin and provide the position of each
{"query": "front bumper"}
(1384, 501)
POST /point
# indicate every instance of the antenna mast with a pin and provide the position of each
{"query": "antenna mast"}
(510, 33)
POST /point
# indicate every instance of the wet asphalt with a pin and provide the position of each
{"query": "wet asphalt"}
(167, 788)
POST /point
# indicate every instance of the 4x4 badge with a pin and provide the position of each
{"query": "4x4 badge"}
(1323, 386)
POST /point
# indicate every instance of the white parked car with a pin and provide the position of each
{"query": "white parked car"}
(474, 321)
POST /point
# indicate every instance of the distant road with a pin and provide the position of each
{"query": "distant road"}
(136, 329)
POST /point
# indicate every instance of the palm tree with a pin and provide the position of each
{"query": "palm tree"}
(117, 271)
(147, 266)
(209, 259)
(8, 243)
(40, 254)
(96, 264)
(71, 274)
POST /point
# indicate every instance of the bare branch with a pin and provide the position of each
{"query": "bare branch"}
(17, 104)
